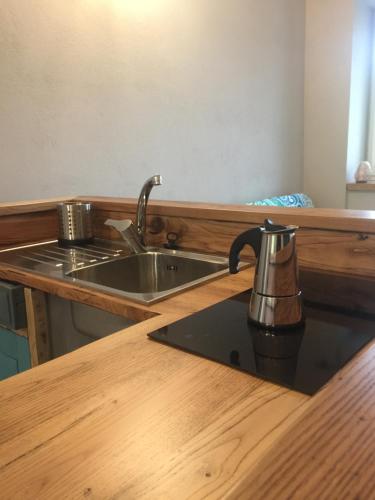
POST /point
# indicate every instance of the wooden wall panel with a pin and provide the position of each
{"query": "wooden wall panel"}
(27, 228)
(329, 250)
(336, 251)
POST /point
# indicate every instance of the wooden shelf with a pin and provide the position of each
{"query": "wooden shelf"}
(360, 186)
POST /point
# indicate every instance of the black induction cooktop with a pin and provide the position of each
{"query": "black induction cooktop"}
(303, 359)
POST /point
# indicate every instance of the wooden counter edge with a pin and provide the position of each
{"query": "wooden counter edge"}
(360, 186)
(318, 218)
(30, 206)
(106, 301)
(323, 218)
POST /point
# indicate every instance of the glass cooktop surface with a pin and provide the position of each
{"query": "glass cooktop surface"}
(302, 359)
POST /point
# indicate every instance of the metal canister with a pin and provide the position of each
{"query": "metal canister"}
(75, 223)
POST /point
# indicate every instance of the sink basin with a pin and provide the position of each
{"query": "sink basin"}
(151, 276)
(148, 273)
(108, 266)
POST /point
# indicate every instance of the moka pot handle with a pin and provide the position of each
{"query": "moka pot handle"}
(253, 238)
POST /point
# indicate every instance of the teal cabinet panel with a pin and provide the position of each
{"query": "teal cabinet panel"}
(14, 353)
(12, 305)
(8, 366)
(23, 351)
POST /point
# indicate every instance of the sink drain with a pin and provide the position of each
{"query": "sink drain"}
(171, 267)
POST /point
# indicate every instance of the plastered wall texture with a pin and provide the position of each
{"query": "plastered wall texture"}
(96, 95)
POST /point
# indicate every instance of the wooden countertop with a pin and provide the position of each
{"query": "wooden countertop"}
(126, 417)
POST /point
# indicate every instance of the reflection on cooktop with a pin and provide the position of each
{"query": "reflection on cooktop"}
(302, 359)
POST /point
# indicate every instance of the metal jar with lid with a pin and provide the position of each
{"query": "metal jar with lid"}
(75, 223)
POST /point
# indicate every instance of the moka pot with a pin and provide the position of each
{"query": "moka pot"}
(276, 300)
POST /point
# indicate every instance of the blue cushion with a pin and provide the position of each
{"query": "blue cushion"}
(289, 200)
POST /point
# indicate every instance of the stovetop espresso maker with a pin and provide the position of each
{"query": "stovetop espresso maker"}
(276, 300)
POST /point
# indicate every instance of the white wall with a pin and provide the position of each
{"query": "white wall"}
(96, 95)
(360, 87)
(361, 200)
(328, 58)
(337, 97)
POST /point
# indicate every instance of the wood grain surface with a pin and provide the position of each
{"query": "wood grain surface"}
(361, 186)
(319, 249)
(37, 326)
(329, 452)
(127, 417)
(70, 291)
(27, 207)
(319, 218)
(27, 228)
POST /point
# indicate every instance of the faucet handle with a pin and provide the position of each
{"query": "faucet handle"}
(119, 225)
(128, 232)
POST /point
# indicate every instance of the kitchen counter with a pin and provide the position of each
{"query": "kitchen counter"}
(126, 417)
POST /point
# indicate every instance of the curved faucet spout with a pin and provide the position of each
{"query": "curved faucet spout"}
(140, 222)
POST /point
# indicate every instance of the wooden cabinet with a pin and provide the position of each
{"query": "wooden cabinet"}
(14, 353)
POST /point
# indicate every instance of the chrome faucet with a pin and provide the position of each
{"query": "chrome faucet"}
(140, 221)
(134, 235)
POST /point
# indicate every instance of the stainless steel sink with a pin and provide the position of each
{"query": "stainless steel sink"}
(147, 273)
(108, 266)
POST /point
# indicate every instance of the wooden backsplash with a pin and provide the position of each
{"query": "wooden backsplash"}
(321, 249)
(343, 251)
(19, 229)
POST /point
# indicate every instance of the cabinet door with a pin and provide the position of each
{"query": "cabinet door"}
(14, 353)
(8, 366)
